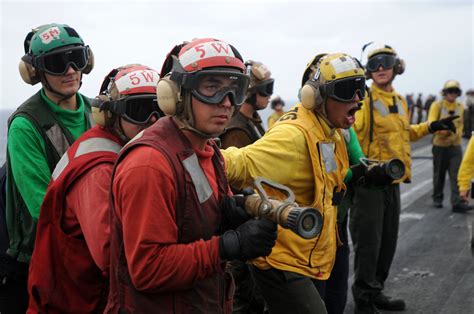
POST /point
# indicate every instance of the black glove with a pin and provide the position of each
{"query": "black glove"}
(376, 175)
(233, 212)
(443, 124)
(250, 240)
(358, 174)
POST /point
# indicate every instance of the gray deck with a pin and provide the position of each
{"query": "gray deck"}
(433, 269)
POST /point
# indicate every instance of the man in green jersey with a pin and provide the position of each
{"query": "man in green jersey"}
(39, 132)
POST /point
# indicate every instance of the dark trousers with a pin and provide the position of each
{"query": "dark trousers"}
(287, 292)
(247, 296)
(335, 296)
(14, 289)
(374, 220)
(446, 159)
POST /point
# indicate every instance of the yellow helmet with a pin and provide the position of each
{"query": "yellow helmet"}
(452, 85)
(337, 75)
(385, 56)
(386, 49)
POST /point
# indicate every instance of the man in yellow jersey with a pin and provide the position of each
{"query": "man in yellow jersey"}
(447, 151)
(305, 151)
(466, 171)
(277, 105)
(384, 132)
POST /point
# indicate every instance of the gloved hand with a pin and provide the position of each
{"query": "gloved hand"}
(376, 175)
(250, 240)
(233, 212)
(358, 174)
(443, 124)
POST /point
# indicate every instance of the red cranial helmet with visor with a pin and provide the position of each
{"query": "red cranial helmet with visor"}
(207, 69)
(128, 92)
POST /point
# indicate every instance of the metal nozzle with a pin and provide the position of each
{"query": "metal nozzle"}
(280, 208)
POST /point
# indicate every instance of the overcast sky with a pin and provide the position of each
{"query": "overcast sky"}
(434, 37)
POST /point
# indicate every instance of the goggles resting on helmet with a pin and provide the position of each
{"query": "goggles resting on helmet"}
(58, 61)
(136, 109)
(345, 90)
(265, 89)
(387, 61)
(212, 86)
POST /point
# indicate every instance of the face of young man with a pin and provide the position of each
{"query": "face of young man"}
(382, 77)
(342, 114)
(67, 84)
(130, 129)
(262, 101)
(451, 96)
(212, 118)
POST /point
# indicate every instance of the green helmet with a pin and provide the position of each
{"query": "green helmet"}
(51, 36)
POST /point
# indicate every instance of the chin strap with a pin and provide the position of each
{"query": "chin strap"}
(118, 130)
(184, 125)
(321, 111)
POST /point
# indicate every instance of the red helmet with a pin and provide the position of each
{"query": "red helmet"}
(207, 53)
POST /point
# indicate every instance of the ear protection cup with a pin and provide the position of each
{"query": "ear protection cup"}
(400, 66)
(310, 92)
(90, 62)
(28, 73)
(167, 95)
(100, 114)
(308, 95)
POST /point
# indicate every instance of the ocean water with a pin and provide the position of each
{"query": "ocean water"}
(4, 114)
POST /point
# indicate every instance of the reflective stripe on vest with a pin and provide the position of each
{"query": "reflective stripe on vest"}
(445, 111)
(347, 135)
(92, 145)
(58, 139)
(203, 189)
(383, 110)
(400, 107)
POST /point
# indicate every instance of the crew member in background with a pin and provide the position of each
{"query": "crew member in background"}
(244, 128)
(277, 105)
(73, 227)
(469, 114)
(384, 132)
(447, 151)
(39, 132)
(419, 109)
(173, 224)
(466, 171)
(305, 151)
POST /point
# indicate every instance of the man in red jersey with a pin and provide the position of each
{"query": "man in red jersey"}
(173, 224)
(69, 267)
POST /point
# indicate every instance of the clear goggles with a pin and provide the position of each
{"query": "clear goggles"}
(212, 86)
(387, 61)
(265, 89)
(136, 109)
(345, 90)
(58, 61)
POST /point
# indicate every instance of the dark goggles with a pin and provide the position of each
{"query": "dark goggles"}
(136, 109)
(453, 90)
(345, 90)
(266, 88)
(387, 61)
(211, 87)
(58, 61)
